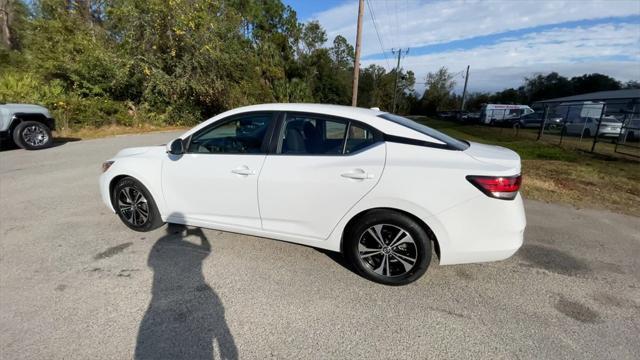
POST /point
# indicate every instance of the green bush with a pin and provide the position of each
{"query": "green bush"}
(69, 109)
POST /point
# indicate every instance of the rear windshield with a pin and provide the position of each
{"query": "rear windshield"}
(454, 143)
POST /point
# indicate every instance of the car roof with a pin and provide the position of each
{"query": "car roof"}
(338, 110)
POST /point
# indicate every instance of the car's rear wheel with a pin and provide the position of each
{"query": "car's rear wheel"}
(135, 205)
(388, 247)
(32, 135)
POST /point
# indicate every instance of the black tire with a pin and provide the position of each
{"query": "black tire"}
(389, 224)
(586, 133)
(32, 135)
(131, 209)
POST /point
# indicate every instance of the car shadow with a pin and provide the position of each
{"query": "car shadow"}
(185, 316)
(339, 259)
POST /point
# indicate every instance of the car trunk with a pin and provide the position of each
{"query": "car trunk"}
(494, 155)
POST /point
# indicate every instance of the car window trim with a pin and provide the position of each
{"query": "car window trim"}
(264, 146)
(423, 143)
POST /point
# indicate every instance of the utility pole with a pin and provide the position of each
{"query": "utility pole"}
(356, 63)
(464, 91)
(395, 87)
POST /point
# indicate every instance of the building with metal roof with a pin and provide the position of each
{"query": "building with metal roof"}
(605, 96)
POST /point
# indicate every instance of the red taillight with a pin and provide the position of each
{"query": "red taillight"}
(499, 187)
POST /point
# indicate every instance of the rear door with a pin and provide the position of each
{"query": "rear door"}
(321, 168)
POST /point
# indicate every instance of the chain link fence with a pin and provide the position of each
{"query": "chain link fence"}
(607, 128)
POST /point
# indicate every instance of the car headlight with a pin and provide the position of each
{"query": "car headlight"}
(106, 165)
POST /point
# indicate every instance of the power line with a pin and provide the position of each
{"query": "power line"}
(375, 26)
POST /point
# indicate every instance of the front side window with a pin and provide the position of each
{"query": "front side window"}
(242, 135)
(314, 136)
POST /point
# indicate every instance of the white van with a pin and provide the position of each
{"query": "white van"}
(498, 113)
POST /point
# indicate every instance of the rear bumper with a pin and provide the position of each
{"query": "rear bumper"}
(482, 229)
(613, 134)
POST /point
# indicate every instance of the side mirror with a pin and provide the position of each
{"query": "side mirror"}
(176, 147)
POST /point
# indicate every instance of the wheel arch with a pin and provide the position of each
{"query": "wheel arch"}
(422, 223)
(114, 180)
(37, 117)
(112, 186)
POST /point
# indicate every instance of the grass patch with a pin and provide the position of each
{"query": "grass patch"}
(565, 174)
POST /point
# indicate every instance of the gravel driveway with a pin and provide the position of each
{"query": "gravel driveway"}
(77, 284)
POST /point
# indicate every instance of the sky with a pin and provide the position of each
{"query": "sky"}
(503, 41)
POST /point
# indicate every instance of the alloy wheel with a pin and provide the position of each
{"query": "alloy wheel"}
(387, 250)
(133, 206)
(35, 135)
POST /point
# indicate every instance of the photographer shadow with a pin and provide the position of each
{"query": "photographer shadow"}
(185, 316)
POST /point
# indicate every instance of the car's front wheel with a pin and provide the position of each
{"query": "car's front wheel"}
(388, 247)
(32, 135)
(135, 205)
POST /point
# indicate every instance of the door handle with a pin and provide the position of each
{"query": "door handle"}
(358, 174)
(243, 170)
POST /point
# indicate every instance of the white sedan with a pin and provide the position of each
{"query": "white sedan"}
(382, 189)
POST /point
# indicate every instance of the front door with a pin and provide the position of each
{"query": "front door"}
(216, 180)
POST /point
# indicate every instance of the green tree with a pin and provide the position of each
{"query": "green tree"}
(632, 84)
(541, 87)
(593, 82)
(313, 36)
(437, 95)
(510, 96)
(342, 53)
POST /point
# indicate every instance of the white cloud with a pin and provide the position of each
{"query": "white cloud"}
(612, 49)
(410, 23)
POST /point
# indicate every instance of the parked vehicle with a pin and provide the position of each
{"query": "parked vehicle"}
(447, 115)
(610, 127)
(28, 126)
(380, 188)
(471, 117)
(499, 114)
(531, 120)
(631, 130)
(535, 119)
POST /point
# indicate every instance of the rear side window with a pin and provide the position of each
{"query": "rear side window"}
(305, 135)
(358, 138)
(317, 135)
(451, 142)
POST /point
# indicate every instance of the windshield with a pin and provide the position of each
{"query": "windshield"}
(454, 143)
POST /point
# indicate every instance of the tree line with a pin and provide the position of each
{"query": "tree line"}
(439, 95)
(177, 62)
